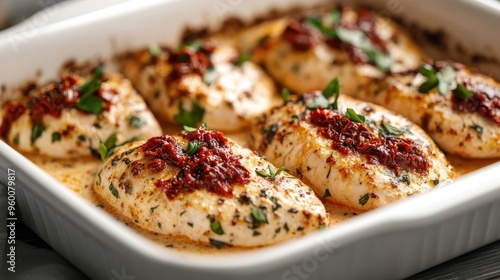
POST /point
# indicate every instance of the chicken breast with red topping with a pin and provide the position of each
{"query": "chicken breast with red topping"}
(359, 155)
(457, 106)
(305, 53)
(70, 118)
(201, 82)
(204, 186)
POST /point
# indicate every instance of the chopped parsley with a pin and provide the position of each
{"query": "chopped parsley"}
(216, 243)
(353, 116)
(258, 217)
(478, 128)
(462, 93)
(323, 226)
(191, 117)
(387, 129)
(136, 121)
(328, 27)
(330, 19)
(195, 45)
(193, 147)
(210, 75)
(217, 228)
(36, 132)
(327, 193)
(153, 208)
(405, 179)
(364, 199)
(89, 103)
(435, 182)
(155, 50)
(244, 57)
(331, 89)
(113, 191)
(285, 94)
(430, 73)
(272, 173)
(16, 139)
(56, 137)
(107, 148)
(444, 80)
(359, 39)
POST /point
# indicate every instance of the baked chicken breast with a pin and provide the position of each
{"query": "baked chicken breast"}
(305, 53)
(359, 155)
(457, 106)
(71, 117)
(204, 186)
(204, 81)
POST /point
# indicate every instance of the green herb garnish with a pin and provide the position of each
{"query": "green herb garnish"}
(210, 75)
(244, 57)
(353, 116)
(444, 80)
(432, 80)
(188, 128)
(136, 121)
(478, 128)
(216, 243)
(285, 94)
(155, 50)
(359, 39)
(56, 137)
(108, 147)
(16, 139)
(36, 132)
(272, 173)
(114, 191)
(217, 228)
(192, 147)
(88, 103)
(195, 45)
(323, 226)
(387, 129)
(327, 193)
(326, 31)
(153, 208)
(405, 179)
(328, 27)
(462, 93)
(364, 199)
(258, 217)
(190, 118)
(331, 89)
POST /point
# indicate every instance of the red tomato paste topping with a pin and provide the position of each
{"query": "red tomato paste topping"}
(212, 166)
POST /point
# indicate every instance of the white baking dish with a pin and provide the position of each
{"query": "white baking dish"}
(393, 242)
